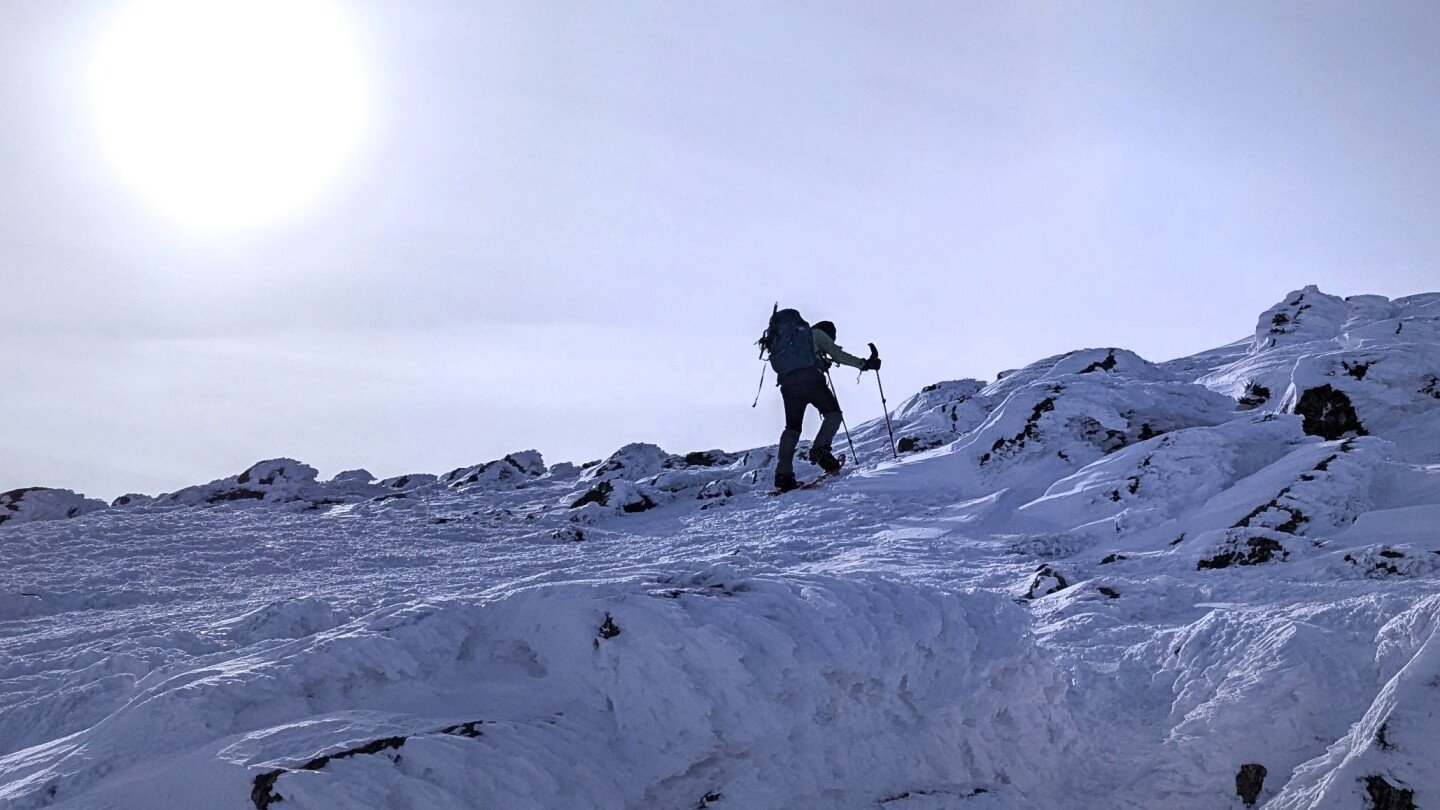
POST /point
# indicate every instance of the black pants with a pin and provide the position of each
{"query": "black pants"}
(801, 389)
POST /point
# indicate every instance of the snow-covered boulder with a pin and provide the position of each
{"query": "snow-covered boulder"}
(132, 499)
(409, 481)
(1158, 480)
(939, 414)
(1304, 316)
(1350, 367)
(1045, 581)
(349, 485)
(1082, 416)
(43, 503)
(514, 468)
(618, 495)
(278, 480)
(352, 477)
(632, 462)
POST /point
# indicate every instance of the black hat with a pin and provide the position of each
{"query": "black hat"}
(826, 327)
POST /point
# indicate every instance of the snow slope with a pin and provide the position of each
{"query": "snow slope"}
(1096, 581)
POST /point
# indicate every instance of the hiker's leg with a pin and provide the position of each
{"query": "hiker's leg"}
(824, 401)
(828, 425)
(788, 441)
(795, 402)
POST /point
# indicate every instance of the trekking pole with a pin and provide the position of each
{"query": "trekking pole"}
(883, 404)
(764, 343)
(853, 455)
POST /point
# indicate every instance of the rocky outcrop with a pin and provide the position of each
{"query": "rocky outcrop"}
(43, 503)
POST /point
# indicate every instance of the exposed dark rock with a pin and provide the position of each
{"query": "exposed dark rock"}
(1249, 781)
(1110, 558)
(262, 791)
(1433, 387)
(1377, 569)
(915, 444)
(1257, 550)
(905, 794)
(1290, 525)
(1030, 431)
(1255, 395)
(469, 730)
(638, 506)
(1356, 370)
(702, 458)
(600, 493)
(1045, 582)
(1281, 323)
(1380, 739)
(236, 495)
(1108, 591)
(1101, 365)
(11, 500)
(715, 489)
(608, 628)
(573, 534)
(1328, 413)
(1392, 553)
(1385, 796)
(709, 799)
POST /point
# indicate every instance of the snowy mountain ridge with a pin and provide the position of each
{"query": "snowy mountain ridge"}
(1097, 580)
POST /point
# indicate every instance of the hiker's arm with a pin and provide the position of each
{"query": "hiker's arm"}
(834, 352)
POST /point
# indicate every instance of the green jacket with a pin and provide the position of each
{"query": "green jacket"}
(828, 349)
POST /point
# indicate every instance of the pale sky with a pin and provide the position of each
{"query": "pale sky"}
(564, 224)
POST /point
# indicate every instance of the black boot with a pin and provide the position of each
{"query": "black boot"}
(826, 460)
(785, 482)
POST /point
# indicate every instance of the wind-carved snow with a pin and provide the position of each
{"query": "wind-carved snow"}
(1096, 581)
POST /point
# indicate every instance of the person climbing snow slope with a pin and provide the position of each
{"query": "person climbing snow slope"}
(800, 355)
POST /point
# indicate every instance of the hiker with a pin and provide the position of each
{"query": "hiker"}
(800, 355)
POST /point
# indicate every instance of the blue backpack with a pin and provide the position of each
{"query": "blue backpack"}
(789, 343)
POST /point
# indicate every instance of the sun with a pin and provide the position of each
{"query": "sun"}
(228, 115)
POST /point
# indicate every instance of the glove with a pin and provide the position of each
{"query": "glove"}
(872, 363)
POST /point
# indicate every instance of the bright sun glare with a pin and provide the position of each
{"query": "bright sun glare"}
(227, 115)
